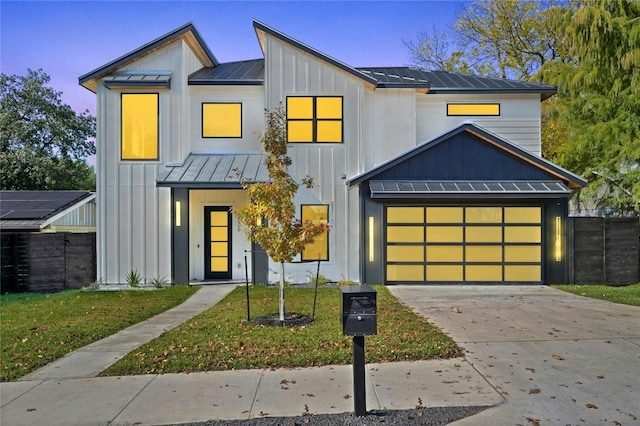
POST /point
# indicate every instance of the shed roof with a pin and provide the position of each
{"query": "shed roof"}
(244, 73)
(36, 209)
(214, 171)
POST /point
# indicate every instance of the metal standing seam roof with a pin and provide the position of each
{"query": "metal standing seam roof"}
(138, 79)
(465, 188)
(245, 73)
(214, 171)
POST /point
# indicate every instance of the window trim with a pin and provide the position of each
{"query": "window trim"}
(157, 157)
(327, 257)
(202, 104)
(314, 119)
(472, 104)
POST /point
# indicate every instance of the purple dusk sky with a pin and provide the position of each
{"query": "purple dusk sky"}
(70, 38)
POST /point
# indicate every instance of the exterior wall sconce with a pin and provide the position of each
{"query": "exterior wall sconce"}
(178, 214)
(557, 249)
(371, 239)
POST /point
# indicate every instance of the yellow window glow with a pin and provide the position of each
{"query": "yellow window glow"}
(219, 249)
(329, 131)
(483, 273)
(405, 215)
(522, 214)
(328, 107)
(483, 234)
(522, 234)
(219, 218)
(483, 214)
(219, 233)
(299, 107)
(405, 273)
(221, 120)
(405, 234)
(405, 253)
(444, 253)
(522, 273)
(444, 234)
(319, 247)
(483, 253)
(444, 272)
(219, 264)
(473, 109)
(300, 131)
(139, 126)
(522, 253)
(444, 214)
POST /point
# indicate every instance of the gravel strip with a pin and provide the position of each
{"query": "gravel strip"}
(435, 416)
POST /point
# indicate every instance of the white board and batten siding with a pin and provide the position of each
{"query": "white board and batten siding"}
(290, 72)
(134, 230)
(519, 120)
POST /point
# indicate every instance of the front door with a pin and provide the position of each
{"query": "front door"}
(217, 243)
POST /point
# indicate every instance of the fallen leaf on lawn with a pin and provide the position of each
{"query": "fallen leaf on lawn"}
(557, 357)
(593, 406)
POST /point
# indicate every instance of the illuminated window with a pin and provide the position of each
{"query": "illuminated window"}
(318, 249)
(473, 109)
(221, 120)
(139, 126)
(314, 119)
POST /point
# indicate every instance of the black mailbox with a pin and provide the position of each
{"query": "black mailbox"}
(359, 308)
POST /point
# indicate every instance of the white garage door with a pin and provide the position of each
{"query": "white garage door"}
(463, 244)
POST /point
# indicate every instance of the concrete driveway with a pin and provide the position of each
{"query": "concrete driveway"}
(556, 358)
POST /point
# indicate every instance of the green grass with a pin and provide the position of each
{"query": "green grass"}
(628, 295)
(36, 329)
(221, 338)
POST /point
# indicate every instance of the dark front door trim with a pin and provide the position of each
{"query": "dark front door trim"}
(217, 242)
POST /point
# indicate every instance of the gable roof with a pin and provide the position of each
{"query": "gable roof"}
(262, 29)
(572, 180)
(38, 209)
(187, 32)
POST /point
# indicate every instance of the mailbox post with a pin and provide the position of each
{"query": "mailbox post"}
(359, 319)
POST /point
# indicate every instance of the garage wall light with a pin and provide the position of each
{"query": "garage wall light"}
(557, 249)
(178, 214)
(371, 238)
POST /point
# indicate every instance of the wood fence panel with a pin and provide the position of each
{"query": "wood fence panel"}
(46, 262)
(622, 250)
(80, 251)
(588, 244)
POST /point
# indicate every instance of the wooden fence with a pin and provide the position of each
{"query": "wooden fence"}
(604, 250)
(45, 262)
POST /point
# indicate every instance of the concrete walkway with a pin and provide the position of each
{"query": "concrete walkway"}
(92, 359)
(557, 359)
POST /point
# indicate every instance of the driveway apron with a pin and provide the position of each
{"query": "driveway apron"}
(556, 358)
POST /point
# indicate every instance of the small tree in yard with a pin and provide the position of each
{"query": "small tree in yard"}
(270, 217)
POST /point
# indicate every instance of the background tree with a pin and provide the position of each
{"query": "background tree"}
(270, 217)
(600, 92)
(43, 142)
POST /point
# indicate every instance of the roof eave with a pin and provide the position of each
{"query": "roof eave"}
(214, 82)
(188, 31)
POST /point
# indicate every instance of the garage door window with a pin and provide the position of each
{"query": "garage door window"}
(464, 244)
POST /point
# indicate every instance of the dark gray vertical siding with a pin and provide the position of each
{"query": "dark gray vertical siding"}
(180, 237)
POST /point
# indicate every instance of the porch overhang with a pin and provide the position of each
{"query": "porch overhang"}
(407, 189)
(214, 171)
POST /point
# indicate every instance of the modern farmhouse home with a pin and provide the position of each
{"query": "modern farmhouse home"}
(425, 176)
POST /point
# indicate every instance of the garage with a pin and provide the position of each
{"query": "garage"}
(470, 244)
(465, 208)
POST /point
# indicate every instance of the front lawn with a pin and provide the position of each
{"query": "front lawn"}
(221, 338)
(628, 295)
(37, 329)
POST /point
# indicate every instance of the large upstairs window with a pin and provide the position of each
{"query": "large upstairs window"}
(139, 126)
(314, 119)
